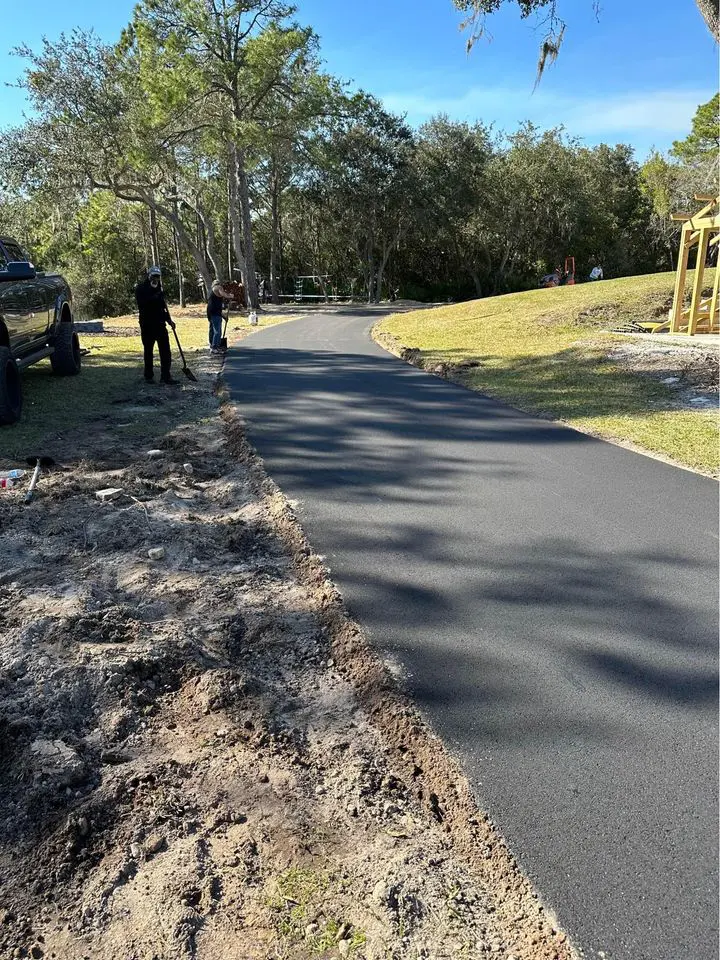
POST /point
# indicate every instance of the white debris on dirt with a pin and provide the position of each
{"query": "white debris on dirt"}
(691, 371)
(109, 493)
(205, 758)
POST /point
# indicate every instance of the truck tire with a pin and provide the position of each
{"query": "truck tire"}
(65, 362)
(10, 388)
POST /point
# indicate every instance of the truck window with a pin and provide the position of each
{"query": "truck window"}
(14, 252)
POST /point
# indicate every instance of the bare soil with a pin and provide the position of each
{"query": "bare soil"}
(691, 371)
(200, 755)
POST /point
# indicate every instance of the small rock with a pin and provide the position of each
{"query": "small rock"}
(343, 947)
(154, 844)
(188, 468)
(331, 663)
(319, 789)
(83, 826)
(109, 493)
(153, 454)
(310, 930)
(380, 892)
(135, 851)
(671, 380)
(156, 553)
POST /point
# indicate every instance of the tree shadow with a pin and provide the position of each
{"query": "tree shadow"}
(573, 382)
(549, 599)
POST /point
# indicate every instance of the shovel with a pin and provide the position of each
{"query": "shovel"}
(223, 339)
(185, 369)
(36, 462)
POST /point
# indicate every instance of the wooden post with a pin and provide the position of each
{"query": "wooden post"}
(714, 304)
(698, 281)
(680, 276)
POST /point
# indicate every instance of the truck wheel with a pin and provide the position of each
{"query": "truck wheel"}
(66, 359)
(10, 388)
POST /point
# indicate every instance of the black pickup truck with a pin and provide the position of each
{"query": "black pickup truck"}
(36, 321)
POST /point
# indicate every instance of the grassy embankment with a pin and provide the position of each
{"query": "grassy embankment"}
(544, 351)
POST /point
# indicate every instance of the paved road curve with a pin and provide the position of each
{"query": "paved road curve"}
(552, 601)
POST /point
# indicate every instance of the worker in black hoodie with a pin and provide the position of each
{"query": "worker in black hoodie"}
(154, 318)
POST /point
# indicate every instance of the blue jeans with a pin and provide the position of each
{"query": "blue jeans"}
(215, 330)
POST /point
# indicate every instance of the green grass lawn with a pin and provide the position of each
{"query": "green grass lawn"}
(53, 407)
(544, 351)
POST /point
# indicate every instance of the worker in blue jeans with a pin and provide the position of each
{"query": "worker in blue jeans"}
(215, 304)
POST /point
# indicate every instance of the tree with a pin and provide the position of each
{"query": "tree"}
(221, 62)
(452, 161)
(703, 141)
(670, 183)
(94, 131)
(364, 175)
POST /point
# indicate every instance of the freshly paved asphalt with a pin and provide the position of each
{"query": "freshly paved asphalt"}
(551, 600)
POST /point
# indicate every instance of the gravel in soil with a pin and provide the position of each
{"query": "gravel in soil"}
(200, 755)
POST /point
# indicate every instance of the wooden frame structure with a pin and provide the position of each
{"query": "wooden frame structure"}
(701, 230)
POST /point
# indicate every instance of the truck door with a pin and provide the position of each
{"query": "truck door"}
(37, 322)
(15, 311)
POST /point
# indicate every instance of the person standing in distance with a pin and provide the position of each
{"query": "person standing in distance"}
(154, 318)
(215, 304)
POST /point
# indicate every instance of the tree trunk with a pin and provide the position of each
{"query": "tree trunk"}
(387, 250)
(209, 231)
(178, 267)
(154, 244)
(476, 280)
(143, 231)
(193, 248)
(243, 198)
(711, 15)
(275, 236)
(234, 211)
(371, 276)
(379, 279)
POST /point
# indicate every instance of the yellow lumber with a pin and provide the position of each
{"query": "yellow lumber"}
(694, 216)
(679, 293)
(698, 281)
(715, 298)
(706, 223)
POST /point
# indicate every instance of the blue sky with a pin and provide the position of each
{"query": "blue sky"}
(634, 74)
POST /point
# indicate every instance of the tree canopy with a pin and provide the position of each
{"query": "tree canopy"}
(210, 139)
